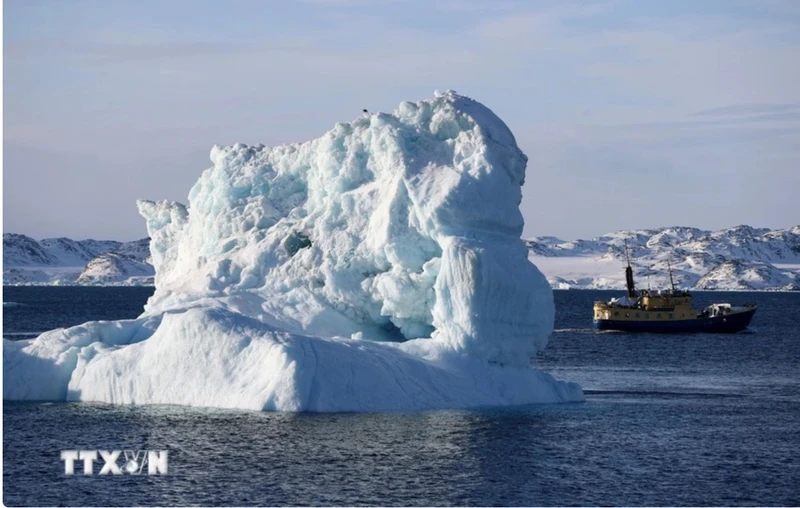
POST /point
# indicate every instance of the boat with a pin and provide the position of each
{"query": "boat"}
(667, 311)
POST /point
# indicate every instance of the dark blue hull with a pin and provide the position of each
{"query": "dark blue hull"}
(730, 323)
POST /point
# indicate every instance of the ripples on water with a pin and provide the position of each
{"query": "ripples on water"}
(669, 420)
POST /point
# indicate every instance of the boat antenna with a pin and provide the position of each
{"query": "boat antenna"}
(627, 256)
(671, 281)
(629, 274)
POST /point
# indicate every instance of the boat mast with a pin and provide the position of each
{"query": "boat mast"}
(629, 274)
(671, 281)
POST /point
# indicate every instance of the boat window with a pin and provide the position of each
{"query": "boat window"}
(658, 316)
(637, 314)
(616, 314)
(627, 314)
(670, 316)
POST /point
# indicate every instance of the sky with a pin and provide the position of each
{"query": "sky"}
(634, 114)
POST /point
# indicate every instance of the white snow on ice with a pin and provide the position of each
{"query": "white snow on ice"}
(376, 268)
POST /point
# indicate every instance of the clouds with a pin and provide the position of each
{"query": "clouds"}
(593, 91)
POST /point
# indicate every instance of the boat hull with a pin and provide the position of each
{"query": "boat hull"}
(729, 323)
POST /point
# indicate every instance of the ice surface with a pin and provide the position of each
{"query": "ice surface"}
(379, 267)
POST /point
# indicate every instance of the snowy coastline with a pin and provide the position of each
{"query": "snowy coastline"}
(739, 258)
(736, 259)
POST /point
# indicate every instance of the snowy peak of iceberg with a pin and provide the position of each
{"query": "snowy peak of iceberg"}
(401, 225)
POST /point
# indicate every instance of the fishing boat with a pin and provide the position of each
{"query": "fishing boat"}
(667, 311)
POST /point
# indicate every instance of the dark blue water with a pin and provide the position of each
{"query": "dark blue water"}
(30, 310)
(668, 420)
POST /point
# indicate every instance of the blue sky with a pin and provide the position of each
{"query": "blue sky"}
(634, 114)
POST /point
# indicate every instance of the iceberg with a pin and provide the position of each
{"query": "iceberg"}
(376, 268)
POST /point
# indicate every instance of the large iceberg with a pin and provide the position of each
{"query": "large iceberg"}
(379, 267)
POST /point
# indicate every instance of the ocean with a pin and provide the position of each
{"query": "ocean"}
(668, 420)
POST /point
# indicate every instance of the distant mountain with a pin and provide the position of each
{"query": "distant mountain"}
(739, 258)
(138, 250)
(116, 268)
(21, 250)
(70, 252)
(60, 261)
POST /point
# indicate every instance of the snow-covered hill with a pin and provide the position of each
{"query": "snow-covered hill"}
(738, 258)
(138, 250)
(69, 252)
(21, 250)
(63, 261)
(116, 268)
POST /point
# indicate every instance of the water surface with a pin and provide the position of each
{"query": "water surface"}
(668, 420)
